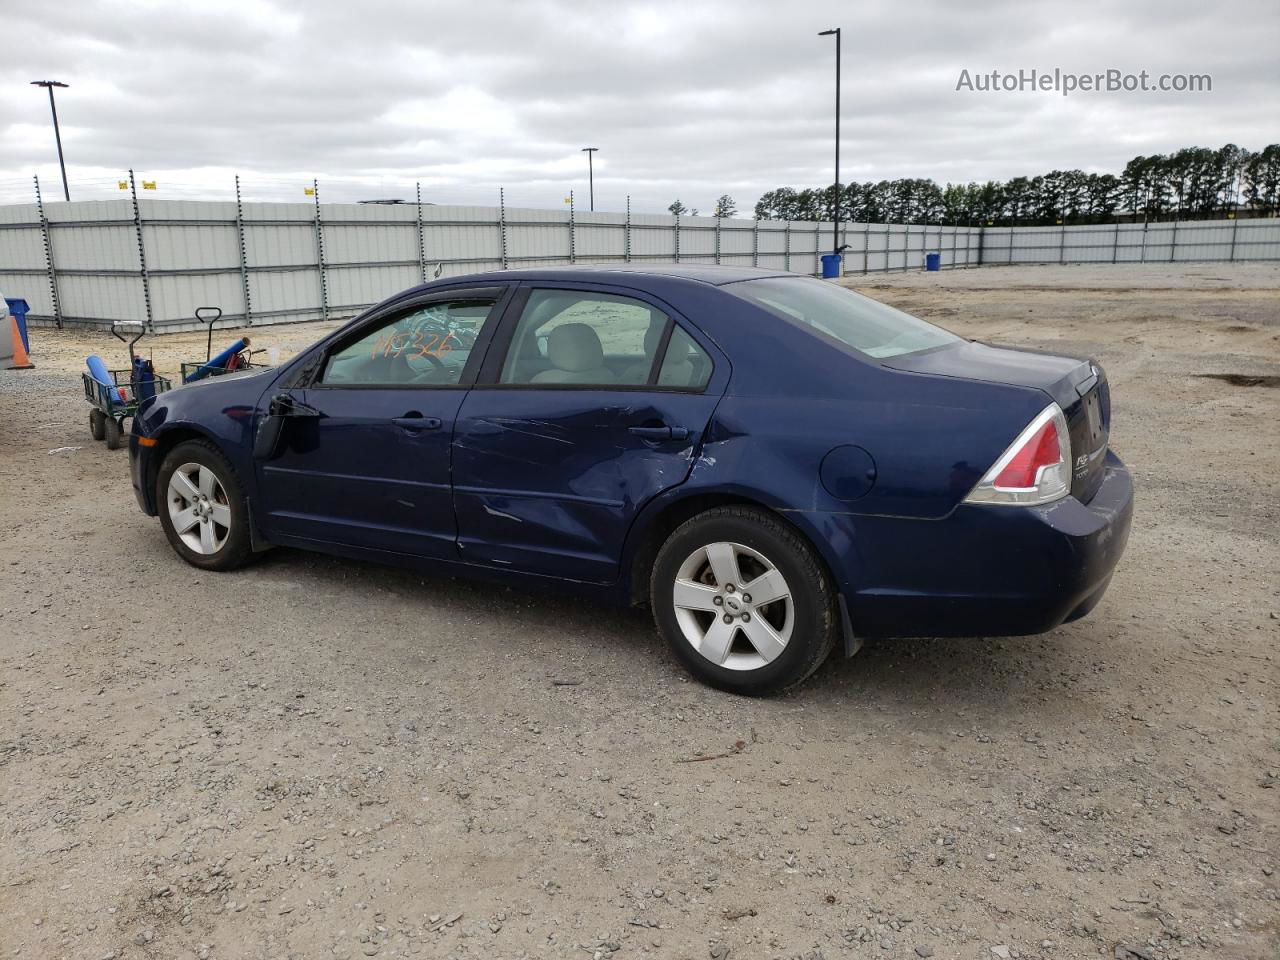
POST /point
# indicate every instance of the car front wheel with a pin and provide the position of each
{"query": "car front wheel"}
(202, 507)
(744, 601)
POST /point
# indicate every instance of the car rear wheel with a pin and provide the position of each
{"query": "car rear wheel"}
(202, 507)
(744, 601)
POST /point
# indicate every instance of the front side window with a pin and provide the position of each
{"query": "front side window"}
(426, 346)
(868, 326)
(585, 339)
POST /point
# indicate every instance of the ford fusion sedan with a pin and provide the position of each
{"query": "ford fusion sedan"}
(776, 465)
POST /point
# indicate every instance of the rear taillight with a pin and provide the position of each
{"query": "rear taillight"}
(1035, 469)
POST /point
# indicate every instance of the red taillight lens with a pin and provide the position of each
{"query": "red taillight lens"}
(1034, 469)
(1040, 450)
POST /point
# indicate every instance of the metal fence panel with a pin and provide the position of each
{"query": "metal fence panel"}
(1183, 241)
(295, 267)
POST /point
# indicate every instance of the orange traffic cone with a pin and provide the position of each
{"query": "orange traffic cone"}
(19, 360)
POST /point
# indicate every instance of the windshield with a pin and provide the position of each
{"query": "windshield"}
(866, 325)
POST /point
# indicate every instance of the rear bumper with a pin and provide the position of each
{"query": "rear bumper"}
(992, 570)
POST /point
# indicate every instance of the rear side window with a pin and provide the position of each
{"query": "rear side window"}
(868, 326)
(685, 364)
(425, 346)
(569, 337)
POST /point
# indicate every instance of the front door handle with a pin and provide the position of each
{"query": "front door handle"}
(416, 421)
(661, 433)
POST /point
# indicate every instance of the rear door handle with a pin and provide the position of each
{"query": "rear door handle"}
(661, 433)
(417, 422)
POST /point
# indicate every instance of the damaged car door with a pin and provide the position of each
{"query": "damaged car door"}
(593, 401)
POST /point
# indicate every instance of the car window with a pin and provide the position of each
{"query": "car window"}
(866, 325)
(426, 346)
(582, 338)
(685, 364)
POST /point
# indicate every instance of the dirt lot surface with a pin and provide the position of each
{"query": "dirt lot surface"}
(319, 758)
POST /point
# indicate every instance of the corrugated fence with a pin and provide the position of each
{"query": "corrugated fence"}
(1181, 241)
(93, 262)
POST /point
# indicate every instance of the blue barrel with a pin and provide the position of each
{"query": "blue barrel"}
(831, 265)
(19, 310)
(933, 261)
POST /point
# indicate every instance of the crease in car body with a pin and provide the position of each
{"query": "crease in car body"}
(507, 424)
(668, 433)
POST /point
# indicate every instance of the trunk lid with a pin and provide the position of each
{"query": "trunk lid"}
(1078, 386)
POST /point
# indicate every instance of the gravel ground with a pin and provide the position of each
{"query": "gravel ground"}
(319, 758)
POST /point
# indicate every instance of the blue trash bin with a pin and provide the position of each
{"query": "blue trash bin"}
(19, 309)
(831, 265)
(933, 261)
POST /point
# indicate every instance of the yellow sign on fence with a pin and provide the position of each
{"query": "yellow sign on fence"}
(148, 184)
(309, 191)
(123, 184)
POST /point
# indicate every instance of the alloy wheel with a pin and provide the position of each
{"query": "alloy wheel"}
(733, 605)
(198, 508)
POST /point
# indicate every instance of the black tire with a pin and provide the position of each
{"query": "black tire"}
(97, 424)
(815, 614)
(112, 432)
(237, 550)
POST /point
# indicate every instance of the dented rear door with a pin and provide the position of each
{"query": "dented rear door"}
(547, 478)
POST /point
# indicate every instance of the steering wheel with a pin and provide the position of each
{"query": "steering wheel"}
(422, 376)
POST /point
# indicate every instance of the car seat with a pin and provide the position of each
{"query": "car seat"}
(576, 356)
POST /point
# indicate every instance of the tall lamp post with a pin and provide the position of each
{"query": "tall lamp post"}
(591, 174)
(835, 227)
(57, 134)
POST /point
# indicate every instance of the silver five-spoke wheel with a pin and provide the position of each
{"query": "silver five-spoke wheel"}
(199, 508)
(733, 606)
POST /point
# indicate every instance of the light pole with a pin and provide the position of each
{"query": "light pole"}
(591, 175)
(835, 228)
(57, 135)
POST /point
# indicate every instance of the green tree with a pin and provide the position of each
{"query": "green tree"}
(1191, 182)
(1231, 161)
(726, 207)
(957, 201)
(1101, 195)
(808, 205)
(1262, 180)
(1018, 198)
(678, 209)
(1144, 187)
(788, 204)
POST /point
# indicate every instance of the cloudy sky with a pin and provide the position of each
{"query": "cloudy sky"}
(688, 99)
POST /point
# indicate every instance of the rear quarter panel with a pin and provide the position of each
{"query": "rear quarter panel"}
(931, 439)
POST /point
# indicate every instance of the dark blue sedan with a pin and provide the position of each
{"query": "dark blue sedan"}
(775, 464)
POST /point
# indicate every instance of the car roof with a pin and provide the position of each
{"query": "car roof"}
(701, 273)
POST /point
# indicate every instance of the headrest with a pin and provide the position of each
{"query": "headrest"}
(575, 347)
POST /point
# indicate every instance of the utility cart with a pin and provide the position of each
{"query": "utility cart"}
(236, 357)
(114, 395)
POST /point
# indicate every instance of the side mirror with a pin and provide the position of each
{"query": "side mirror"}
(266, 441)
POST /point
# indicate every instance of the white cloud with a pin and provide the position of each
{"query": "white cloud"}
(684, 99)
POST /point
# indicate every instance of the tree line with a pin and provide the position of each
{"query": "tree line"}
(1191, 183)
